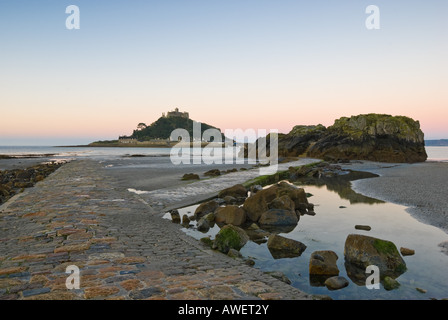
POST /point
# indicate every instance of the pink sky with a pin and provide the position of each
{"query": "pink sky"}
(232, 64)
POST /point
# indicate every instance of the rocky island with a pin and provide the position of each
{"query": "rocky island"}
(373, 137)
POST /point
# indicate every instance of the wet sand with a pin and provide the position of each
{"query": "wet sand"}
(421, 186)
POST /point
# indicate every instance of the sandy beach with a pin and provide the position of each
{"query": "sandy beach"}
(419, 186)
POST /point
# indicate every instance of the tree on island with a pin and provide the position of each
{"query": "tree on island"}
(141, 126)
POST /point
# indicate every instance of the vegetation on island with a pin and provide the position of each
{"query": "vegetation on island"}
(164, 126)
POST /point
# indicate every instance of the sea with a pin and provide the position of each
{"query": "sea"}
(439, 154)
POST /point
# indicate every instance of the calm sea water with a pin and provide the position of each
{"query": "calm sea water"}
(437, 153)
(336, 217)
(81, 152)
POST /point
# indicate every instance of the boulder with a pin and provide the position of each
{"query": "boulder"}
(203, 225)
(361, 251)
(323, 263)
(230, 237)
(282, 195)
(281, 247)
(230, 215)
(185, 220)
(255, 188)
(204, 208)
(213, 173)
(278, 217)
(258, 203)
(229, 200)
(236, 191)
(390, 284)
(336, 283)
(407, 251)
(297, 195)
(190, 176)
(206, 222)
(362, 227)
(284, 202)
(175, 216)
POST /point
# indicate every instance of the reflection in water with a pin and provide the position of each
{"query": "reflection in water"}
(341, 184)
(338, 210)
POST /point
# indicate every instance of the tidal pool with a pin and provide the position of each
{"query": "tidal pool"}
(338, 209)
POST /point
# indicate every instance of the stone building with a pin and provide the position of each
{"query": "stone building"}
(126, 139)
(176, 113)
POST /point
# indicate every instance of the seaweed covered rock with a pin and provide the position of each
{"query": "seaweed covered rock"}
(374, 137)
(230, 237)
(362, 251)
(13, 181)
(190, 176)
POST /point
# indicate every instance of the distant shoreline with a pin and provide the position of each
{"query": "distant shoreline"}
(436, 143)
(143, 145)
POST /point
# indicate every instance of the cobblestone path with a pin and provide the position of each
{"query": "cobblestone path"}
(124, 249)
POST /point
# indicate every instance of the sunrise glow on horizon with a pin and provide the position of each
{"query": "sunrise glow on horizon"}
(231, 64)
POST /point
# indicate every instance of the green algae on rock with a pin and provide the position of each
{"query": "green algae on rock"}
(362, 251)
(374, 137)
(230, 237)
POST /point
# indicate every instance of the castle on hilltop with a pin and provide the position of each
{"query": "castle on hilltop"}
(176, 113)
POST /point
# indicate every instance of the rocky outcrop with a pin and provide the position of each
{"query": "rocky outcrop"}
(14, 181)
(373, 137)
(299, 139)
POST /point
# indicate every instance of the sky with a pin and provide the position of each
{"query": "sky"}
(233, 64)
